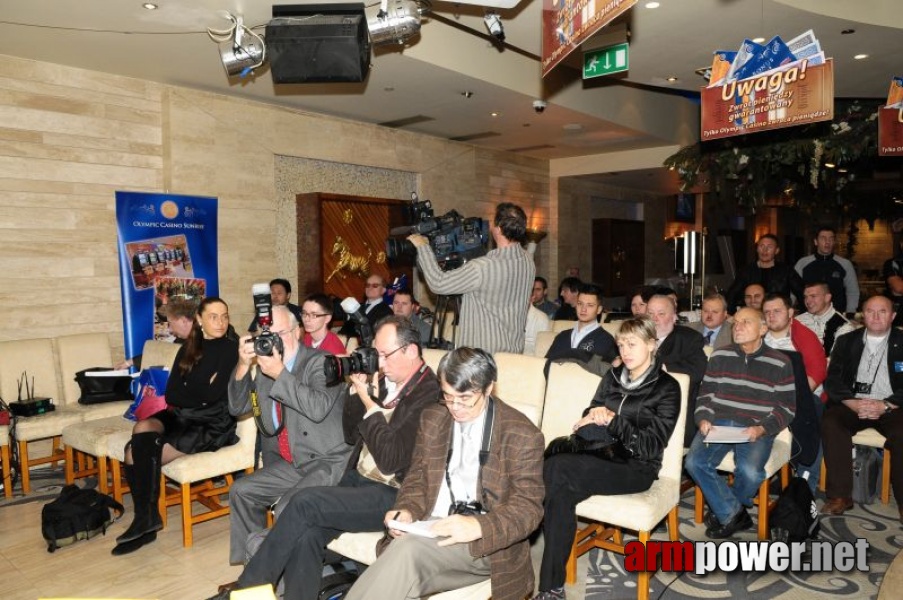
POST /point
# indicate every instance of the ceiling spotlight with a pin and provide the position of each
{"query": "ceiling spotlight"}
(758, 40)
(671, 79)
(652, 5)
(860, 56)
(467, 94)
(829, 165)
(396, 22)
(494, 26)
(150, 6)
(241, 50)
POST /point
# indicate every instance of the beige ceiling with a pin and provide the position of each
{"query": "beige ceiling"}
(424, 82)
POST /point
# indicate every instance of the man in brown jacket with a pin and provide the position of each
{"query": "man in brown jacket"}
(475, 484)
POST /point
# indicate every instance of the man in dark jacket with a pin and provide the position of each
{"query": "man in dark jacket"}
(773, 276)
(865, 389)
(379, 461)
(586, 339)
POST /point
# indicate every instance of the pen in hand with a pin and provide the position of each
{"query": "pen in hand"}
(398, 514)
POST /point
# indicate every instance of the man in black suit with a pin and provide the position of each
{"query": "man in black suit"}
(865, 389)
(680, 349)
(586, 343)
(373, 306)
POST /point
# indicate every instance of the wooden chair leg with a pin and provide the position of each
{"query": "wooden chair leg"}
(70, 466)
(7, 477)
(116, 477)
(643, 577)
(698, 505)
(823, 476)
(162, 504)
(785, 476)
(885, 478)
(55, 447)
(763, 510)
(186, 516)
(23, 467)
(102, 475)
(673, 525)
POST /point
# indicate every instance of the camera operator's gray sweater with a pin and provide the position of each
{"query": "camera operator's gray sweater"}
(495, 293)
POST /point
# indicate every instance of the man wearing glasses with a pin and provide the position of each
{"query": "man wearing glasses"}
(476, 479)
(373, 307)
(300, 422)
(381, 427)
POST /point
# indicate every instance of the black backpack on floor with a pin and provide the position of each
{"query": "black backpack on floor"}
(794, 517)
(75, 515)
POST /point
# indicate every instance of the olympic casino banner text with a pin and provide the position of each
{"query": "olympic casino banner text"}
(167, 252)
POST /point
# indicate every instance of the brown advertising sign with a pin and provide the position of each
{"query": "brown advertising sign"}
(796, 94)
(890, 132)
(567, 23)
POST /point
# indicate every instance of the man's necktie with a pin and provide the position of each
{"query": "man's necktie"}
(708, 338)
(284, 449)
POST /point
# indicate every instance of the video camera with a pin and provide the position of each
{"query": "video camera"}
(453, 238)
(266, 341)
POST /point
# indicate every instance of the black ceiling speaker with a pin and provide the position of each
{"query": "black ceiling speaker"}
(317, 43)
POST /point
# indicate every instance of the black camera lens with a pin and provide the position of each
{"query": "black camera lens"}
(399, 247)
(362, 360)
(266, 342)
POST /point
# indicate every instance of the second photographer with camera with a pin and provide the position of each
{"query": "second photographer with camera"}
(495, 289)
(477, 479)
(300, 419)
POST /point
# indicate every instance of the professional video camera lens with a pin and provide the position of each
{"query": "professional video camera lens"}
(362, 360)
(399, 247)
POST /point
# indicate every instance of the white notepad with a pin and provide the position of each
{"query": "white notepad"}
(724, 434)
(421, 528)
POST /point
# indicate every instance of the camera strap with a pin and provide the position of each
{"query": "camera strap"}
(258, 418)
(485, 444)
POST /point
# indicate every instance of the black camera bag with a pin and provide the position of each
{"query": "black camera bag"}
(794, 517)
(99, 389)
(77, 514)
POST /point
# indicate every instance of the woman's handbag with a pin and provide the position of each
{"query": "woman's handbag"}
(594, 440)
(98, 385)
(151, 395)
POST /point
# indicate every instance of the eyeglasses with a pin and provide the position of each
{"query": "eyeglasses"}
(385, 356)
(307, 315)
(467, 400)
(373, 285)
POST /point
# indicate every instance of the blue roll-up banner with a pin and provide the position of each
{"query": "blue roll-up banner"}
(167, 251)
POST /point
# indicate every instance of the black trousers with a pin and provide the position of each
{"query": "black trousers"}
(313, 517)
(570, 479)
(838, 426)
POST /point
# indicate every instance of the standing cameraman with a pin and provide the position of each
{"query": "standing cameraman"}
(308, 450)
(495, 289)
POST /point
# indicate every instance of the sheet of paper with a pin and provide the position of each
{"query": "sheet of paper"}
(421, 528)
(119, 373)
(722, 434)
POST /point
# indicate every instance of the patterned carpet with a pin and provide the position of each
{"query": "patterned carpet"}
(607, 579)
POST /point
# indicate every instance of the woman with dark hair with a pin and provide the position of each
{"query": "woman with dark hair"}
(316, 314)
(197, 418)
(635, 410)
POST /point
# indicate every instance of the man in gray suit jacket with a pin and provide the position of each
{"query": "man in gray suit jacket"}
(301, 423)
(715, 327)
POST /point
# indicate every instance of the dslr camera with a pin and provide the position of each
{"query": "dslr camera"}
(467, 509)
(453, 238)
(362, 360)
(266, 341)
(862, 387)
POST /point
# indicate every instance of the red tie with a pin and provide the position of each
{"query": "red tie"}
(284, 449)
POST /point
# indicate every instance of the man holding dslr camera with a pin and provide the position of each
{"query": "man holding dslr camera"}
(495, 289)
(300, 422)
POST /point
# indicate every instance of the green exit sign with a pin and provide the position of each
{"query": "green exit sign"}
(605, 61)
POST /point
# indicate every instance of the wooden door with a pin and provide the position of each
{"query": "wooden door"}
(619, 254)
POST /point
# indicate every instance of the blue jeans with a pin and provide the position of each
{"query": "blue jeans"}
(703, 459)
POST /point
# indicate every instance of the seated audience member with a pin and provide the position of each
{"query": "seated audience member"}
(749, 385)
(538, 297)
(680, 350)
(792, 337)
(536, 321)
(638, 300)
(587, 339)
(893, 279)
(773, 276)
(754, 296)
(567, 293)
(637, 405)
(825, 322)
(197, 420)
(715, 326)
(865, 389)
(180, 316)
(373, 307)
(835, 271)
(382, 430)
(316, 314)
(280, 294)
(403, 305)
(482, 509)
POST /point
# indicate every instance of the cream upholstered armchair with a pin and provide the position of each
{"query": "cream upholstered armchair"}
(635, 512)
(544, 341)
(36, 358)
(778, 462)
(84, 351)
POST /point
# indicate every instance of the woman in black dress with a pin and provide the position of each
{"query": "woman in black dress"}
(197, 418)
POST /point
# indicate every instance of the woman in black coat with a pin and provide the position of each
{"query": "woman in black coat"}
(636, 405)
(197, 418)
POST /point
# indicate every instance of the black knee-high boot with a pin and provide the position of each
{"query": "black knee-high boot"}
(143, 476)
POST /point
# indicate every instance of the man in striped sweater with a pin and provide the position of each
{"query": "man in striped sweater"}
(495, 289)
(749, 385)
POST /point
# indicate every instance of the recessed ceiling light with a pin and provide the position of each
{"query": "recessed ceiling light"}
(671, 79)
(467, 94)
(841, 170)
(150, 6)
(494, 114)
(829, 165)
(860, 56)
(652, 5)
(758, 40)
